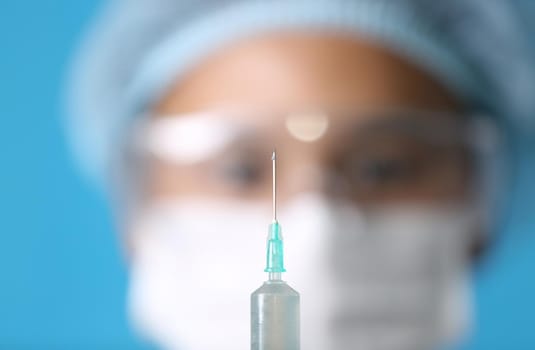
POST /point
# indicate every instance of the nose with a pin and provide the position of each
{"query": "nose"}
(305, 178)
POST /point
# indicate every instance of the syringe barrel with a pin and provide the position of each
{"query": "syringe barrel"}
(275, 317)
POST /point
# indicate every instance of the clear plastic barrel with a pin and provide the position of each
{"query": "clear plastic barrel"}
(275, 317)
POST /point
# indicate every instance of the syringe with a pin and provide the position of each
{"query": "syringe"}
(275, 305)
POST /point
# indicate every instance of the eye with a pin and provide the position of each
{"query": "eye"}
(240, 172)
(382, 170)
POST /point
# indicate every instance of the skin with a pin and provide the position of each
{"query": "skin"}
(297, 72)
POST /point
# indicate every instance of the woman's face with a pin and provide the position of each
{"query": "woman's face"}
(360, 93)
(356, 129)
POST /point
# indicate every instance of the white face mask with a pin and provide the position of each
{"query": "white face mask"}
(388, 279)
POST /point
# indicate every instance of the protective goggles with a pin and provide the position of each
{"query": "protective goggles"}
(373, 158)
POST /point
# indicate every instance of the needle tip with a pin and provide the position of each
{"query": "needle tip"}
(274, 155)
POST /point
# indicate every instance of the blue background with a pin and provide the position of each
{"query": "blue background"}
(62, 274)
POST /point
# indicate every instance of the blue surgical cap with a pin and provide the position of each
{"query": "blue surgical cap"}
(137, 48)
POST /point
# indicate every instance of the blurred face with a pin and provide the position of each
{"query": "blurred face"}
(374, 183)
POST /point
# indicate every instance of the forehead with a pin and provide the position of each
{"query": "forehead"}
(305, 72)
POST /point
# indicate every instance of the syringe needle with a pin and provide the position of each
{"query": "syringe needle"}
(275, 258)
(274, 166)
(275, 305)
